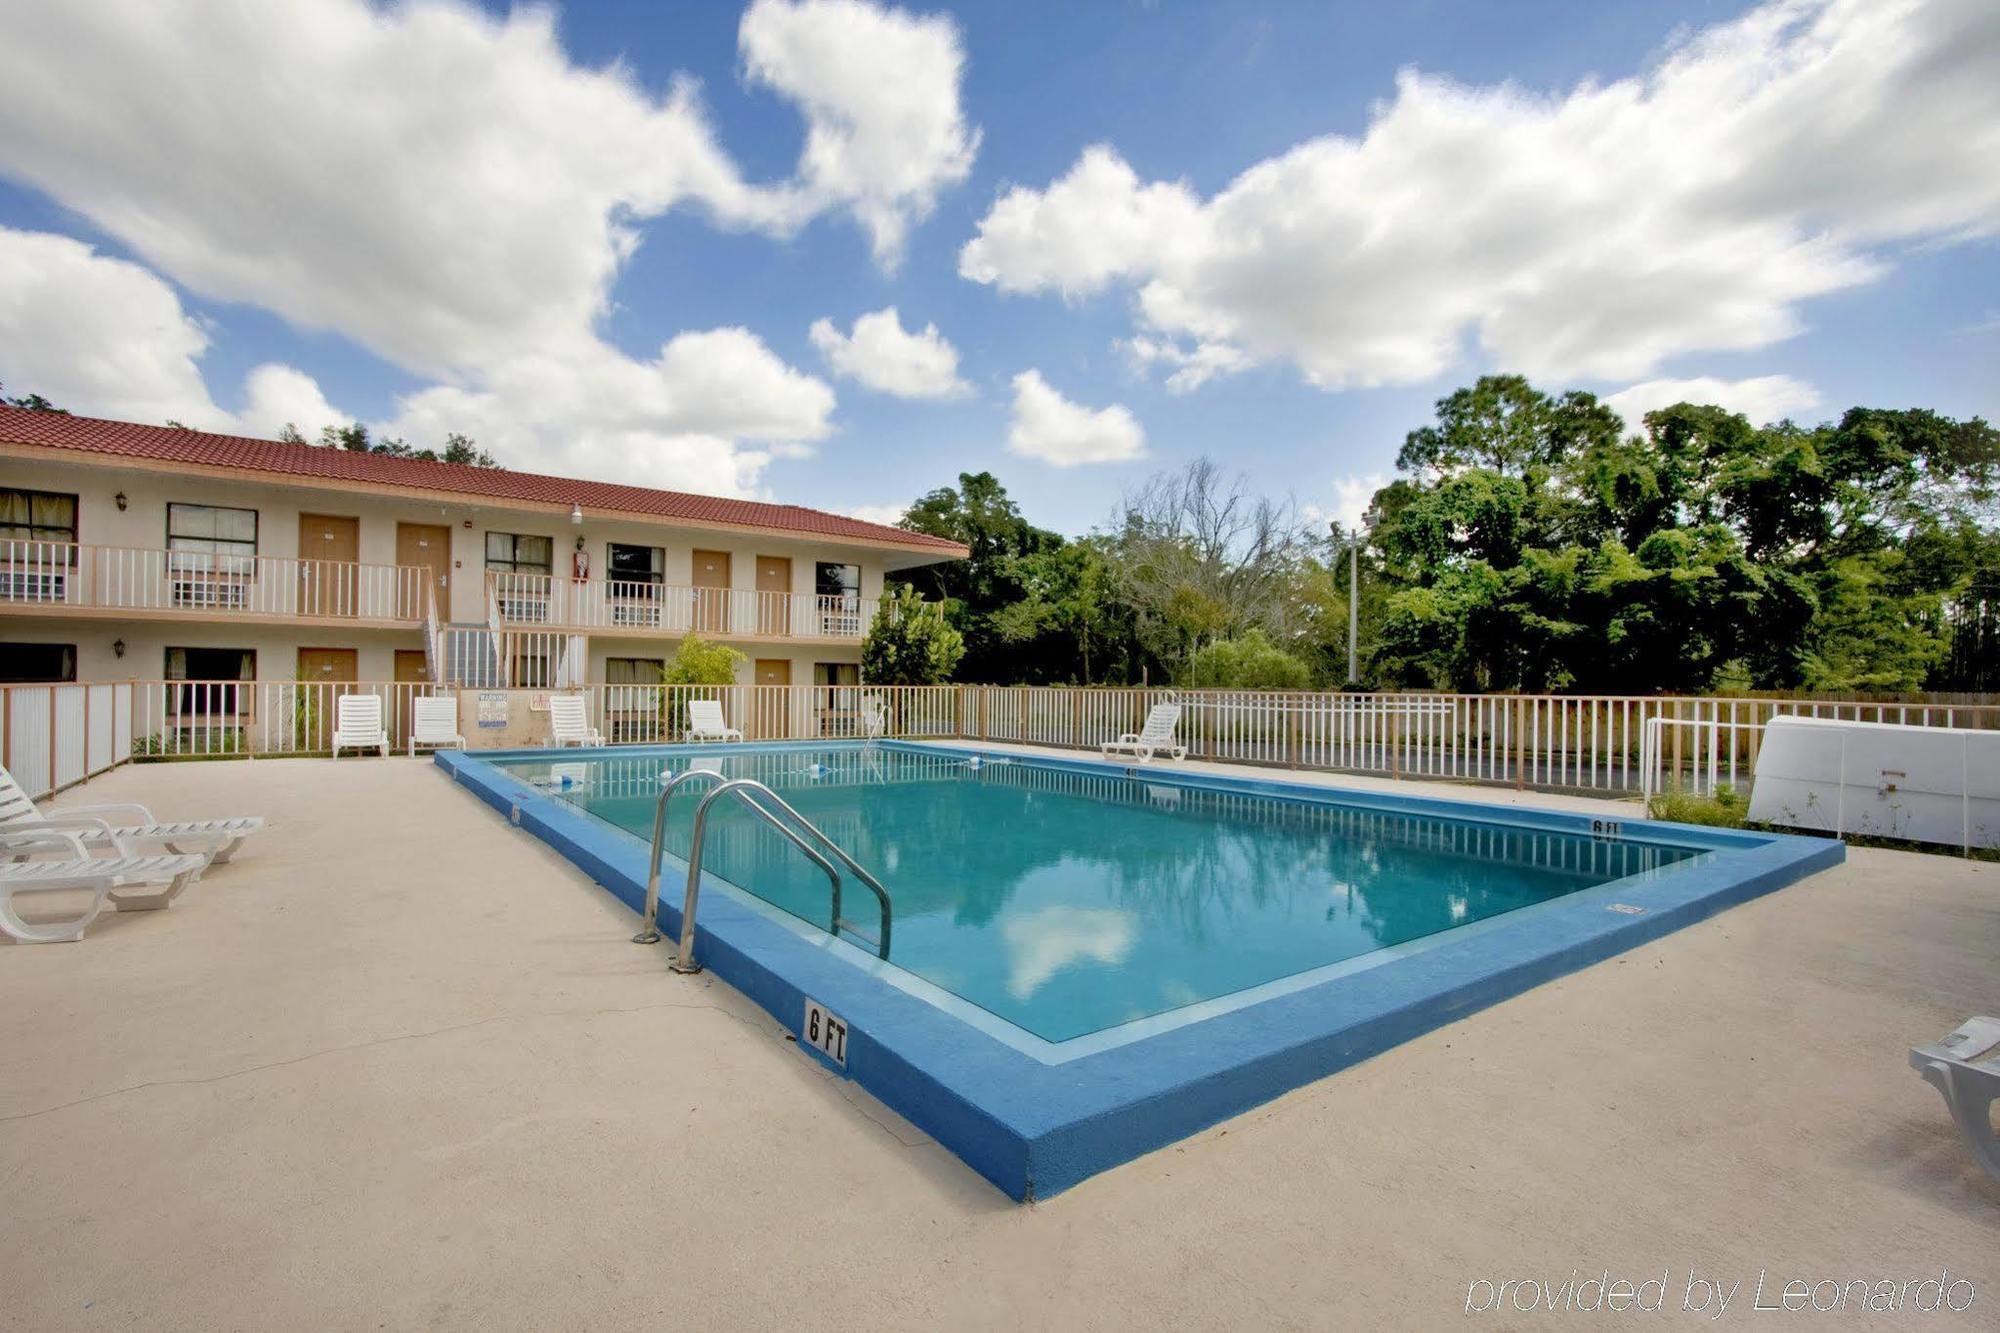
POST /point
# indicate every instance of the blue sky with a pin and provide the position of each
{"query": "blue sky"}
(1604, 195)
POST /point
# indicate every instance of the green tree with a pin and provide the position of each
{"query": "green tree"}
(909, 644)
(699, 662)
(1248, 662)
(991, 579)
(32, 402)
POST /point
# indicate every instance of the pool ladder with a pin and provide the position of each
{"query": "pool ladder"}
(801, 832)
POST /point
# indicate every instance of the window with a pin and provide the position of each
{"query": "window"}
(520, 553)
(37, 545)
(634, 564)
(532, 671)
(633, 670)
(839, 589)
(218, 680)
(214, 550)
(838, 709)
(37, 663)
(37, 516)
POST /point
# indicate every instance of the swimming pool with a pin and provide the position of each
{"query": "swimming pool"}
(1088, 960)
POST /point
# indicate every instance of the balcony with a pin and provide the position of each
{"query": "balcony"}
(600, 606)
(57, 578)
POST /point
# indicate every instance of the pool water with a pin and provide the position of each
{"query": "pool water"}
(1068, 902)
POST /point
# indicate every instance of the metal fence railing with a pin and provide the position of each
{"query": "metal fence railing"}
(1591, 744)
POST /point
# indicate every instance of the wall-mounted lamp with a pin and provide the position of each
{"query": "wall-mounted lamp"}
(118, 647)
(579, 543)
(576, 513)
(119, 500)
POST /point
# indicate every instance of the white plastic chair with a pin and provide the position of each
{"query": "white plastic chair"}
(1970, 1085)
(705, 722)
(215, 840)
(569, 722)
(101, 876)
(357, 724)
(1156, 737)
(434, 722)
(874, 716)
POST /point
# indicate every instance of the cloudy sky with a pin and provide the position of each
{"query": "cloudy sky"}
(835, 253)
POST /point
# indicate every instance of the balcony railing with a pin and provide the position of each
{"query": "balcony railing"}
(599, 604)
(59, 576)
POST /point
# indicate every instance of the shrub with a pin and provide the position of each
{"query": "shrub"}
(909, 644)
(699, 662)
(1725, 809)
(1248, 662)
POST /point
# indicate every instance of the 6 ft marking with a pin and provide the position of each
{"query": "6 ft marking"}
(825, 1033)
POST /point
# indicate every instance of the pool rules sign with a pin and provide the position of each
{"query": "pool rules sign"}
(825, 1033)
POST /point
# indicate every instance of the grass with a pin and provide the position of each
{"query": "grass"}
(1725, 809)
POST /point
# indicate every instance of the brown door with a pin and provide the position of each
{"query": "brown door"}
(774, 595)
(423, 546)
(322, 673)
(413, 672)
(711, 592)
(768, 706)
(329, 579)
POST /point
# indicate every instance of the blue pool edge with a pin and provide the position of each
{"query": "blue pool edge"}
(1033, 1128)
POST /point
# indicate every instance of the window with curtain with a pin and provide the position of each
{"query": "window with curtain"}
(212, 539)
(633, 670)
(625, 563)
(217, 679)
(37, 516)
(37, 663)
(520, 553)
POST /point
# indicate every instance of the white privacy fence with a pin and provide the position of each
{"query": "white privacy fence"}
(54, 736)
(1610, 745)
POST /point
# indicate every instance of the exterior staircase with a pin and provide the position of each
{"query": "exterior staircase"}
(471, 656)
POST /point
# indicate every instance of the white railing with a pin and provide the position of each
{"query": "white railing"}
(60, 576)
(1606, 745)
(598, 604)
(54, 736)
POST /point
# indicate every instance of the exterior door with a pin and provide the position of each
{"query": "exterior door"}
(413, 673)
(774, 600)
(322, 674)
(768, 707)
(711, 592)
(329, 578)
(425, 546)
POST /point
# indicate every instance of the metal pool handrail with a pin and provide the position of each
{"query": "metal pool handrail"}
(649, 929)
(753, 794)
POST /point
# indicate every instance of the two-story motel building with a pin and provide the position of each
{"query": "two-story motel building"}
(156, 553)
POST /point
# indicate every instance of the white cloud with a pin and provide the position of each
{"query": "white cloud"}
(881, 354)
(1192, 366)
(277, 396)
(888, 515)
(98, 335)
(1350, 501)
(1764, 399)
(1593, 234)
(451, 192)
(879, 88)
(1050, 427)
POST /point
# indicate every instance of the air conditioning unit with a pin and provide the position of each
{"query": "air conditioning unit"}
(1877, 779)
(34, 585)
(226, 594)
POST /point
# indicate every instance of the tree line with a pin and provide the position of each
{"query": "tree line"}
(1530, 541)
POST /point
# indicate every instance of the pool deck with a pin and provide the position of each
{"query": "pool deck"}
(399, 1066)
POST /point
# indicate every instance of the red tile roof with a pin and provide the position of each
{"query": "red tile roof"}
(167, 444)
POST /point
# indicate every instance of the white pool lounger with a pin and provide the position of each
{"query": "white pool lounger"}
(215, 839)
(1970, 1083)
(103, 876)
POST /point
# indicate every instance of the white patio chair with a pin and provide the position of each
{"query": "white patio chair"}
(569, 722)
(103, 877)
(357, 724)
(434, 723)
(1970, 1085)
(874, 716)
(215, 840)
(1156, 737)
(705, 722)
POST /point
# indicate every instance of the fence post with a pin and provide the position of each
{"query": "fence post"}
(1677, 729)
(1292, 705)
(1520, 742)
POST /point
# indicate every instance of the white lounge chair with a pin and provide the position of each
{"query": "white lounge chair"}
(569, 722)
(1970, 1084)
(357, 724)
(434, 722)
(705, 722)
(101, 876)
(215, 840)
(1156, 737)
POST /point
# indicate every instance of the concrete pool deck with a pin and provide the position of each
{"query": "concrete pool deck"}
(400, 1066)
